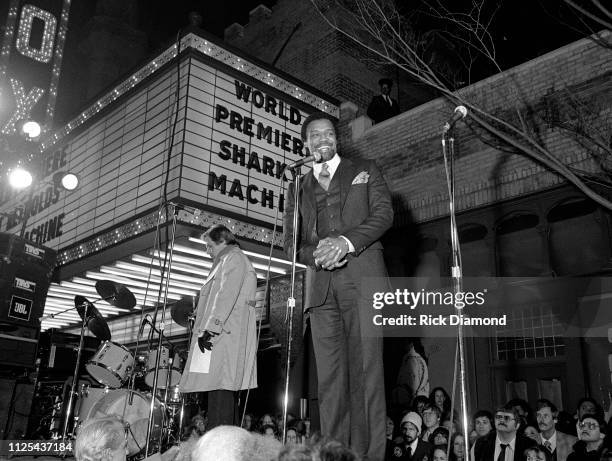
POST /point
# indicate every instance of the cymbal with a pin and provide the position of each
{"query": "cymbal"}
(115, 294)
(182, 311)
(94, 321)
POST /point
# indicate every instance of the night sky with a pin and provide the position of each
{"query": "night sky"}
(522, 30)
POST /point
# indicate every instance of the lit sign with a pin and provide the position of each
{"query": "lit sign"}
(30, 60)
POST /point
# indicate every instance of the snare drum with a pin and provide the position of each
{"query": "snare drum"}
(111, 364)
(162, 377)
(135, 414)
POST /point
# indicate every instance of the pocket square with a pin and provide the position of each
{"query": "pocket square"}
(361, 178)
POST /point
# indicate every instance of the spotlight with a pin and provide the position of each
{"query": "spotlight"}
(20, 178)
(68, 181)
(31, 129)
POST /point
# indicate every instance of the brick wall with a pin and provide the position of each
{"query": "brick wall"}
(408, 147)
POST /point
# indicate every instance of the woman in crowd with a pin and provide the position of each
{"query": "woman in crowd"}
(457, 448)
(440, 398)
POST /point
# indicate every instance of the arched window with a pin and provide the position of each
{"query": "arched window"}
(578, 241)
(520, 247)
(475, 255)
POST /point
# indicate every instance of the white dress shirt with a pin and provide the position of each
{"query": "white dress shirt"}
(509, 449)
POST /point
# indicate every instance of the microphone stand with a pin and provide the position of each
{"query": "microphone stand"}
(456, 271)
(297, 175)
(161, 333)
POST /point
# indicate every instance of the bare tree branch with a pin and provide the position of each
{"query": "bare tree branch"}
(372, 24)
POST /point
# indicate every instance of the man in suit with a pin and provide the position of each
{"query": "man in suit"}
(504, 444)
(345, 207)
(557, 443)
(383, 106)
(413, 447)
(224, 329)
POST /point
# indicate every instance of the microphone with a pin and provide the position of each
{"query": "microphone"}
(300, 162)
(459, 113)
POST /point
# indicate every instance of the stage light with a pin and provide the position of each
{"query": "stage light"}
(20, 178)
(70, 181)
(31, 129)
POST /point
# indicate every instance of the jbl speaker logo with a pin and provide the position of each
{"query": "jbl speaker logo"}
(20, 308)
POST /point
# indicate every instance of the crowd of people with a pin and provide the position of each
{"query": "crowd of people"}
(429, 430)
(513, 432)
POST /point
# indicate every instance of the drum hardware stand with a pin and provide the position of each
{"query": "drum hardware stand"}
(161, 332)
(297, 175)
(75, 376)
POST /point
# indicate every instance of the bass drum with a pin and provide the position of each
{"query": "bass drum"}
(116, 402)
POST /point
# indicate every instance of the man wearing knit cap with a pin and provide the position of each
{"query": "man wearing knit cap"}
(412, 448)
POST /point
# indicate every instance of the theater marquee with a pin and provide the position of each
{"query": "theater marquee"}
(235, 125)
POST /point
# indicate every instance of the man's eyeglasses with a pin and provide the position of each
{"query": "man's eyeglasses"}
(589, 426)
(505, 418)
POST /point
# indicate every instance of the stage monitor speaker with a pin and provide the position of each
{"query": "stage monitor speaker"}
(26, 269)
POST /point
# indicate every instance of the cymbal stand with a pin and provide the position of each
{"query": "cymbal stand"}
(75, 376)
(162, 325)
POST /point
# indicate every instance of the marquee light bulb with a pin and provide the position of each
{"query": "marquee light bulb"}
(31, 129)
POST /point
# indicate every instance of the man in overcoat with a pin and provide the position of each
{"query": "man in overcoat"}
(345, 207)
(224, 328)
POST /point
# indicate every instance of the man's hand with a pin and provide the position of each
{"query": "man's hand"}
(330, 252)
(204, 341)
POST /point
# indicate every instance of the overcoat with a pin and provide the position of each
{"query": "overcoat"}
(227, 307)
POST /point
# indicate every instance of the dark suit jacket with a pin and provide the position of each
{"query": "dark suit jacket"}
(484, 449)
(423, 452)
(380, 110)
(366, 212)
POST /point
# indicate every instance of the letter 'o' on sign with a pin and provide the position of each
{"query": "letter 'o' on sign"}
(24, 33)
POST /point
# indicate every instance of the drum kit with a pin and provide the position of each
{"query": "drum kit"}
(113, 366)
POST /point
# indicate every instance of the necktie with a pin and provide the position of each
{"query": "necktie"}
(324, 176)
(502, 453)
(388, 99)
(409, 452)
(548, 446)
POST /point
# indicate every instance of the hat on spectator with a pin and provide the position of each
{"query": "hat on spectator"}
(414, 419)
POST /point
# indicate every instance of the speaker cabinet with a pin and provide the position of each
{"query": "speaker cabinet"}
(26, 269)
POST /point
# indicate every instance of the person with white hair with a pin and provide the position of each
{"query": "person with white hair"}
(101, 439)
(232, 443)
